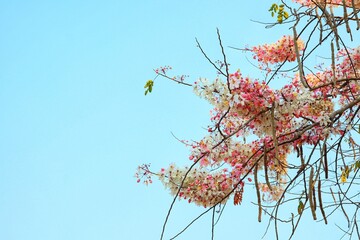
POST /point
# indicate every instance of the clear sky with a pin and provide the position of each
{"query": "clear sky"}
(75, 124)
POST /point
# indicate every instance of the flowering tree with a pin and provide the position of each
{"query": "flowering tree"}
(298, 144)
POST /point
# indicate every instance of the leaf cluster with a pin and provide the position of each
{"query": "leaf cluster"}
(345, 172)
(149, 86)
(279, 10)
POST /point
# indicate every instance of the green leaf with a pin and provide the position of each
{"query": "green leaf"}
(357, 164)
(286, 15)
(149, 86)
(300, 207)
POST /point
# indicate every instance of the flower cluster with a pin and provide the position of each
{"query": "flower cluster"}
(334, 3)
(249, 97)
(255, 128)
(144, 174)
(216, 92)
(278, 52)
(200, 186)
(163, 70)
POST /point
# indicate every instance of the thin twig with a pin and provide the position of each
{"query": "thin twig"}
(225, 62)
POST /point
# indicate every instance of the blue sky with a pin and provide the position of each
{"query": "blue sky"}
(75, 124)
